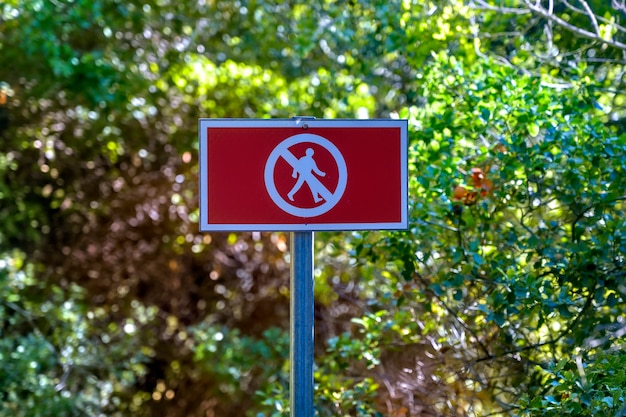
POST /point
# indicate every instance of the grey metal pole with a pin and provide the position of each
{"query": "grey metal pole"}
(301, 325)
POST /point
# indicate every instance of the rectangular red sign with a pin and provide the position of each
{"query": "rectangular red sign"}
(302, 174)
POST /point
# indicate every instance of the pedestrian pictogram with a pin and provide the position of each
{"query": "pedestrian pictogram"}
(308, 175)
(303, 170)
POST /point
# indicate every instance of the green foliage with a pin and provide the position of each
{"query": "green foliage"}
(534, 261)
(582, 387)
(53, 360)
(509, 279)
(239, 362)
(242, 364)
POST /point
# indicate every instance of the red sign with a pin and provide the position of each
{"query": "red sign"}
(303, 174)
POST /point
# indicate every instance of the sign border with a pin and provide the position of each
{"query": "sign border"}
(205, 123)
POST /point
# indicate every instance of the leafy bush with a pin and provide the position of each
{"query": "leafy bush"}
(591, 386)
(59, 356)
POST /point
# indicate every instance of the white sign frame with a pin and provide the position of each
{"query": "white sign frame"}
(204, 124)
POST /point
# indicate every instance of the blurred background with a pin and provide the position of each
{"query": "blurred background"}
(505, 297)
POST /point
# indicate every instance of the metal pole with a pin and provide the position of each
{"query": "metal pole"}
(301, 325)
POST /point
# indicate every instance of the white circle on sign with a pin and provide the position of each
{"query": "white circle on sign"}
(306, 168)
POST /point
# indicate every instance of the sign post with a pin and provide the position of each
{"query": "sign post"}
(301, 325)
(302, 175)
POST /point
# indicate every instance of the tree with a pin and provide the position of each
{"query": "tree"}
(559, 39)
(526, 262)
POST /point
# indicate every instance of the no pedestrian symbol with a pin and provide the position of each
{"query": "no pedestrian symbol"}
(302, 175)
(307, 176)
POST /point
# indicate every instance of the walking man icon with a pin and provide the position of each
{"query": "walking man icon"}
(303, 169)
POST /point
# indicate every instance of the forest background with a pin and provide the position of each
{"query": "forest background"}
(505, 297)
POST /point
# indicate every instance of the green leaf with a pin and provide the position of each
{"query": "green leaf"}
(533, 129)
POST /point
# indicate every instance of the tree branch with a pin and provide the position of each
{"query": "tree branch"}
(537, 9)
(454, 314)
(595, 17)
(552, 340)
(592, 16)
(483, 5)
(585, 210)
(619, 6)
